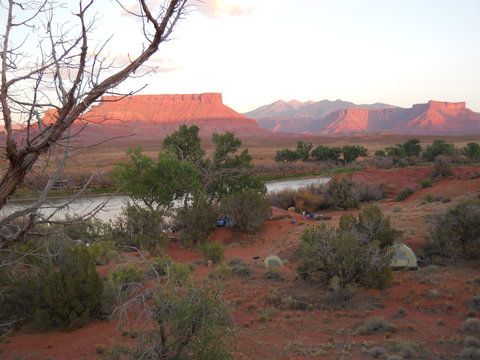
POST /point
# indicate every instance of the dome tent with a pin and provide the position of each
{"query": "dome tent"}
(272, 261)
(403, 257)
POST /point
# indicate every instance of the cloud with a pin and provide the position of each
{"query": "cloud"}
(216, 8)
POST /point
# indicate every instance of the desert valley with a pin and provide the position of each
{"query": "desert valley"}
(278, 312)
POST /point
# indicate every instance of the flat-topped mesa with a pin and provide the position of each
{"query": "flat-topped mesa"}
(161, 108)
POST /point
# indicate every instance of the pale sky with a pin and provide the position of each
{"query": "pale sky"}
(399, 52)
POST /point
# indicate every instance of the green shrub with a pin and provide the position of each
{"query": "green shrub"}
(221, 272)
(474, 303)
(438, 147)
(178, 273)
(470, 353)
(273, 274)
(472, 151)
(376, 325)
(247, 209)
(103, 251)
(161, 264)
(380, 153)
(242, 270)
(471, 326)
(213, 251)
(328, 253)
(196, 220)
(429, 198)
(127, 274)
(426, 183)
(455, 233)
(442, 166)
(235, 261)
(405, 193)
(340, 194)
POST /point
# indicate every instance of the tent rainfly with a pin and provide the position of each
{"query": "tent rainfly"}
(403, 257)
(272, 261)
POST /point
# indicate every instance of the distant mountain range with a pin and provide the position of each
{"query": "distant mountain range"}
(340, 117)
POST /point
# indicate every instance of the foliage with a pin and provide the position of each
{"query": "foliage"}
(156, 184)
(127, 274)
(441, 166)
(472, 151)
(352, 152)
(308, 201)
(371, 225)
(409, 148)
(282, 198)
(189, 323)
(426, 183)
(197, 220)
(66, 294)
(247, 209)
(103, 251)
(84, 230)
(456, 232)
(376, 325)
(405, 193)
(380, 153)
(285, 155)
(185, 144)
(137, 227)
(340, 194)
(303, 150)
(369, 191)
(471, 326)
(213, 251)
(438, 147)
(327, 253)
(326, 153)
(221, 272)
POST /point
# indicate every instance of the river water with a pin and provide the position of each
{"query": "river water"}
(114, 203)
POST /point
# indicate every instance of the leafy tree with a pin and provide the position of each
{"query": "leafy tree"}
(303, 150)
(438, 147)
(352, 152)
(343, 257)
(156, 184)
(380, 153)
(456, 232)
(442, 166)
(472, 151)
(248, 209)
(412, 147)
(326, 153)
(286, 155)
(185, 144)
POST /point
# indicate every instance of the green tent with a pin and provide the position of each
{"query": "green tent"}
(403, 257)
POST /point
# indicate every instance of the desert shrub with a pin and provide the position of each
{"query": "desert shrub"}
(307, 201)
(405, 193)
(282, 198)
(474, 303)
(371, 226)
(178, 273)
(196, 220)
(429, 198)
(369, 192)
(235, 261)
(221, 272)
(340, 194)
(243, 270)
(380, 162)
(442, 166)
(471, 326)
(213, 251)
(438, 147)
(426, 183)
(103, 251)
(286, 155)
(380, 153)
(455, 233)
(326, 153)
(248, 209)
(273, 274)
(65, 294)
(127, 274)
(470, 353)
(471, 341)
(376, 325)
(161, 264)
(472, 151)
(137, 227)
(84, 230)
(350, 153)
(328, 253)
(182, 322)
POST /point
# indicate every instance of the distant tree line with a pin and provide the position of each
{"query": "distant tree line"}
(338, 155)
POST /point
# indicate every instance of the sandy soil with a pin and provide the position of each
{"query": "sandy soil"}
(426, 307)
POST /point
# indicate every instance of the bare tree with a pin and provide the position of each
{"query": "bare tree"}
(66, 74)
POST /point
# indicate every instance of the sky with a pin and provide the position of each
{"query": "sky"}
(255, 52)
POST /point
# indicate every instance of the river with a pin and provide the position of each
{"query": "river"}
(114, 203)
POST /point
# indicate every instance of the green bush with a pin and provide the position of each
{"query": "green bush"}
(405, 193)
(455, 233)
(273, 274)
(376, 325)
(471, 326)
(138, 227)
(474, 303)
(242, 270)
(426, 183)
(247, 209)
(340, 194)
(196, 220)
(213, 251)
(103, 251)
(346, 255)
(221, 272)
(438, 147)
(127, 274)
(442, 166)
(66, 294)
(472, 151)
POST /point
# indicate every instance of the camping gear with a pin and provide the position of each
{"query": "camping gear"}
(403, 257)
(272, 261)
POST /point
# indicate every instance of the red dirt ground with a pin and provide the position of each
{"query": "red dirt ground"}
(434, 299)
